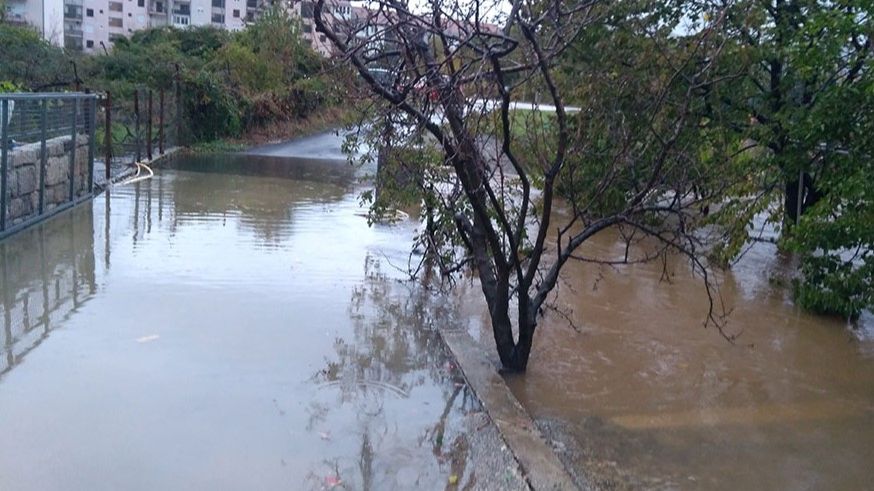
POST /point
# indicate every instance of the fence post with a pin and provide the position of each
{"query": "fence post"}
(137, 122)
(73, 147)
(149, 128)
(107, 136)
(4, 155)
(178, 114)
(161, 121)
(44, 156)
(92, 123)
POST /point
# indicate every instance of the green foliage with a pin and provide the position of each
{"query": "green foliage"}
(232, 81)
(246, 70)
(835, 237)
(211, 110)
(217, 146)
(30, 62)
(806, 97)
(796, 97)
(7, 86)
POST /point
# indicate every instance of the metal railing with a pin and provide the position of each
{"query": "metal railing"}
(134, 127)
(47, 150)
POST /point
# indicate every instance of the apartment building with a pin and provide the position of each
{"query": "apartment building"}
(93, 25)
(46, 16)
(339, 11)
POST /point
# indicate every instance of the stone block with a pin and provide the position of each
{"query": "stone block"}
(57, 146)
(27, 180)
(24, 155)
(20, 207)
(57, 170)
(57, 194)
(11, 183)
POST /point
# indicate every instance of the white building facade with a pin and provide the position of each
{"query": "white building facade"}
(93, 25)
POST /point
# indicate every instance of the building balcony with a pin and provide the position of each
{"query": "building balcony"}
(73, 12)
(16, 19)
(181, 20)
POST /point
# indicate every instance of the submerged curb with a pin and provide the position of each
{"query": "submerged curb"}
(541, 467)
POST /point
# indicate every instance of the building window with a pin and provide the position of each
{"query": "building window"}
(114, 22)
(116, 6)
(89, 12)
(180, 20)
(218, 18)
(159, 7)
(141, 3)
(236, 13)
(250, 16)
(89, 44)
(307, 28)
(218, 3)
(322, 38)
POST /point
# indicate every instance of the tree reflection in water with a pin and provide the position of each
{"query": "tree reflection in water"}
(408, 398)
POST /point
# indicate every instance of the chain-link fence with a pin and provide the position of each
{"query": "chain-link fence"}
(47, 151)
(136, 127)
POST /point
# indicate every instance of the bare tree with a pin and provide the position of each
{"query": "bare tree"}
(438, 68)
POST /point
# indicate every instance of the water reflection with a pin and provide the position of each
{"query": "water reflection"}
(47, 273)
(231, 335)
(386, 374)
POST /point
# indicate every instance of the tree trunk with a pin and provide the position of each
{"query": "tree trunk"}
(810, 195)
(514, 354)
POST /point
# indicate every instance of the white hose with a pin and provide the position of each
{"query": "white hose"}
(137, 177)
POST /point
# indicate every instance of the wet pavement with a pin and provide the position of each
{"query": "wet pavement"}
(232, 323)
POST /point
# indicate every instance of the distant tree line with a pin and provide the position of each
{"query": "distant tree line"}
(231, 81)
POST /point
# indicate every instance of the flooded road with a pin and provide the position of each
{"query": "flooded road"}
(639, 395)
(232, 323)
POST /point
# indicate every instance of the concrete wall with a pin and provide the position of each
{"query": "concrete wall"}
(23, 178)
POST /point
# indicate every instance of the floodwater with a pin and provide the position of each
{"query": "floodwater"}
(638, 394)
(232, 323)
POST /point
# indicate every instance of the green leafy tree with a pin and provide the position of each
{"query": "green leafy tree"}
(804, 100)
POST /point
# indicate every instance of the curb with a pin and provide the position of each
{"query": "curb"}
(540, 466)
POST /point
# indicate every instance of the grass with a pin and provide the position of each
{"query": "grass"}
(525, 124)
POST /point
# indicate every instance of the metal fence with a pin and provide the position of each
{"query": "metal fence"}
(47, 149)
(135, 127)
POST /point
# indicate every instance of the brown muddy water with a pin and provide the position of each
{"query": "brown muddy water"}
(638, 394)
(232, 323)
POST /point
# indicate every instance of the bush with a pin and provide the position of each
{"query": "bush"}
(211, 110)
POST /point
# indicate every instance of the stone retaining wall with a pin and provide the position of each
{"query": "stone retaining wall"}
(23, 178)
